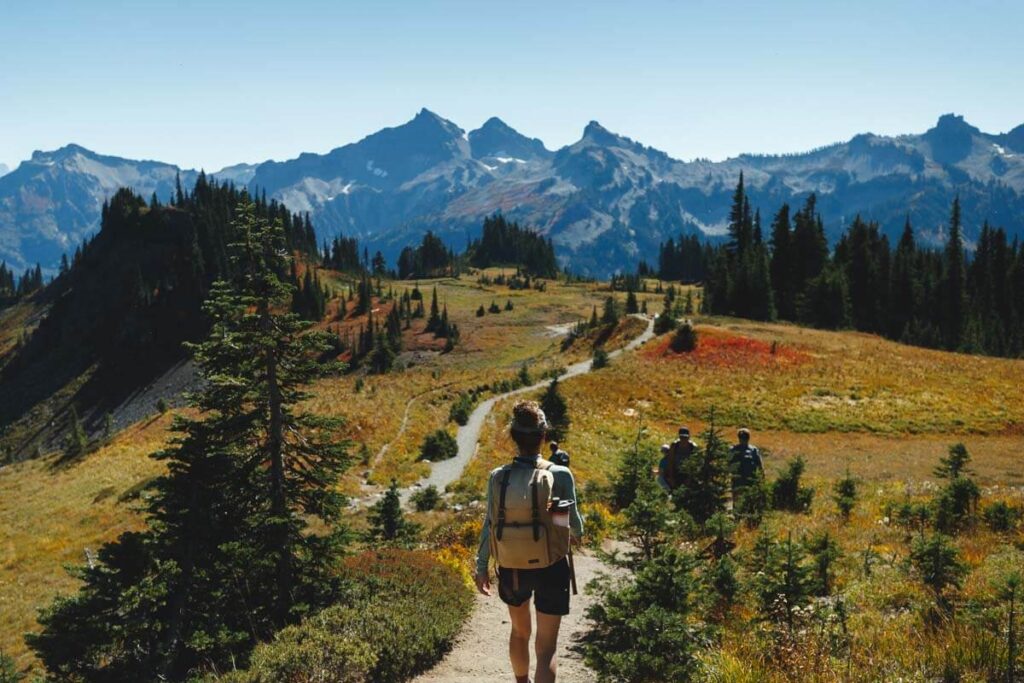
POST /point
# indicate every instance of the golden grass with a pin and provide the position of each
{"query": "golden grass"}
(841, 400)
(50, 514)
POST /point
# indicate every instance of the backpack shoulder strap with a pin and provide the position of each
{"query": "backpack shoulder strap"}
(506, 475)
(543, 464)
(535, 511)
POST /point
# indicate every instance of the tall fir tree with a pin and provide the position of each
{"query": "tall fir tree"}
(227, 556)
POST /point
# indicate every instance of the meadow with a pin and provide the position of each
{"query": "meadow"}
(844, 401)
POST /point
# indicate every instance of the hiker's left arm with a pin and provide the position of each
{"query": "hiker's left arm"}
(575, 518)
(483, 555)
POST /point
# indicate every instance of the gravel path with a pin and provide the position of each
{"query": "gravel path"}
(480, 654)
(447, 471)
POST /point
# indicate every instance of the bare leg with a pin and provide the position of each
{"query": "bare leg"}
(519, 639)
(547, 647)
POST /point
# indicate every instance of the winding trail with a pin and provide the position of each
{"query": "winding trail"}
(468, 436)
(480, 654)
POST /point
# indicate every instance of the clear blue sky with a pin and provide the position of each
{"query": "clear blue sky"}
(210, 83)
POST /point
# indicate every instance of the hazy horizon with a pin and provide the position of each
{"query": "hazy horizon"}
(210, 86)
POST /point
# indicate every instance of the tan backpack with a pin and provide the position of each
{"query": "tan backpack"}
(523, 534)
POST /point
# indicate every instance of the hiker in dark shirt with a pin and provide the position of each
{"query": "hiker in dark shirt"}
(558, 456)
(745, 462)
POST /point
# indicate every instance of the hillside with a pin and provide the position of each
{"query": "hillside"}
(117, 318)
(604, 200)
(884, 410)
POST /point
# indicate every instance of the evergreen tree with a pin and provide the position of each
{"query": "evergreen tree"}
(954, 299)
(387, 521)
(643, 629)
(77, 441)
(824, 552)
(784, 586)
(787, 492)
(706, 476)
(556, 410)
(937, 563)
(905, 287)
(243, 480)
(632, 306)
(434, 321)
(845, 495)
(610, 315)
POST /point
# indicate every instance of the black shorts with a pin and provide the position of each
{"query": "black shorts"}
(549, 587)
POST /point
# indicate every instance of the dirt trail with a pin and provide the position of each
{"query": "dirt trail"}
(480, 654)
(447, 471)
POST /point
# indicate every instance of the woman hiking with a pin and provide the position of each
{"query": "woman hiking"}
(531, 510)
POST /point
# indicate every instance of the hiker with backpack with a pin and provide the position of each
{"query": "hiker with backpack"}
(531, 522)
(558, 456)
(745, 463)
(671, 465)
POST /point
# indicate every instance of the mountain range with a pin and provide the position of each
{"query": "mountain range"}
(606, 201)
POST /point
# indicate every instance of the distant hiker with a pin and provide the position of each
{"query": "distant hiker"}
(671, 465)
(531, 521)
(558, 456)
(745, 462)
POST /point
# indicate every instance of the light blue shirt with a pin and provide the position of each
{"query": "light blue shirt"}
(564, 487)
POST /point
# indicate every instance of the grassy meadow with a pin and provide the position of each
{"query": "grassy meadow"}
(844, 401)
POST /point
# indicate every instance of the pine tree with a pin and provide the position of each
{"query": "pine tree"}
(954, 299)
(434, 321)
(227, 556)
(824, 552)
(387, 521)
(643, 629)
(77, 441)
(905, 286)
(632, 306)
(556, 410)
(845, 495)
(784, 586)
(938, 564)
(610, 315)
(706, 476)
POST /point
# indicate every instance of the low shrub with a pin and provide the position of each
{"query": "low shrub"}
(787, 493)
(426, 499)
(1000, 517)
(439, 445)
(462, 408)
(685, 338)
(601, 359)
(401, 611)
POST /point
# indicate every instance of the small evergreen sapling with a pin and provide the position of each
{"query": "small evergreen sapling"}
(426, 499)
(556, 410)
(787, 493)
(643, 629)
(388, 522)
(753, 501)
(937, 562)
(705, 476)
(784, 586)
(845, 495)
(824, 552)
(685, 338)
(439, 445)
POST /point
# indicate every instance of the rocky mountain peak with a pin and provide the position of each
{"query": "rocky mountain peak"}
(495, 138)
